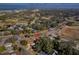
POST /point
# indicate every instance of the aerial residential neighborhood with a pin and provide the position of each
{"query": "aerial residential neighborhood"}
(39, 32)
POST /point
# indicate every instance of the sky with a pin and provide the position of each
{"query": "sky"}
(38, 5)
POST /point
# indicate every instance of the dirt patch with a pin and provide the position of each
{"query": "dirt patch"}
(71, 32)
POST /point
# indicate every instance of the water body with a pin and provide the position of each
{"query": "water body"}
(12, 6)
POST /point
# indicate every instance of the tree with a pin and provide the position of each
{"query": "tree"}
(3, 17)
(45, 45)
(23, 42)
(2, 49)
(48, 47)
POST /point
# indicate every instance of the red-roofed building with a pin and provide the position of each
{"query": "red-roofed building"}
(37, 35)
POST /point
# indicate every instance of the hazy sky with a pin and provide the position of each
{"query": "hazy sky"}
(37, 5)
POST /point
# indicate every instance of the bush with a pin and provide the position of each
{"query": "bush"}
(2, 49)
